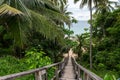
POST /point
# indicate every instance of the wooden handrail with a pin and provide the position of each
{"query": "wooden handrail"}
(83, 73)
(38, 72)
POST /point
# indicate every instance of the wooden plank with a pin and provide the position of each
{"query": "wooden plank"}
(69, 73)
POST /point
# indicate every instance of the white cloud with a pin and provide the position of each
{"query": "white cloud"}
(79, 14)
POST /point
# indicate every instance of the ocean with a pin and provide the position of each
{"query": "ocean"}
(78, 28)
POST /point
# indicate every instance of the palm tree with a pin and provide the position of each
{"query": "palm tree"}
(21, 17)
(18, 16)
(59, 3)
(79, 46)
(62, 6)
(102, 9)
(89, 3)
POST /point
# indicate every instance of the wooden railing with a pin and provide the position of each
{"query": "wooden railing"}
(40, 73)
(82, 73)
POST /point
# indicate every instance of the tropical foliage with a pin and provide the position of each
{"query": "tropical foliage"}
(33, 59)
(90, 6)
(105, 48)
(15, 13)
(31, 34)
(19, 21)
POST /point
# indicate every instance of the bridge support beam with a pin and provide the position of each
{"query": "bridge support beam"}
(78, 75)
(38, 76)
(56, 73)
(86, 77)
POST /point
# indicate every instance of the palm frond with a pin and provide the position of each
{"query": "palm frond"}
(46, 8)
(17, 4)
(83, 3)
(104, 7)
(46, 27)
(16, 23)
(8, 10)
(68, 13)
(18, 30)
(18, 19)
(54, 15)
(36, 4)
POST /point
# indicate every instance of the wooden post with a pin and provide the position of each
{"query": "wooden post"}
(76, 67)
(73, 65)
(86, 77)
(46, 78)
(56, 74)
(60, 68)
(78, 75)
(38, 76)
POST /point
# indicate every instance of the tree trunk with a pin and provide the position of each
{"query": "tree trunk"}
(91, 35)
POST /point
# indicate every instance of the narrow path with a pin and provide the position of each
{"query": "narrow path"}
(68, 71)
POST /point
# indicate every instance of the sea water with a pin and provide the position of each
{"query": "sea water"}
(79, 27)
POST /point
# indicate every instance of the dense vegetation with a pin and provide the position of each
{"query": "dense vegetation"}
(32, 35)
(106, 44)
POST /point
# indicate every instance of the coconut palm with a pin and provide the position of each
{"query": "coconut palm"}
(62, 6)
(59, 3)
(102, 9)
(89, 4)
(79, 46)
(18, 16)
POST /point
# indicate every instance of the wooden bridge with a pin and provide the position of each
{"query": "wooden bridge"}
(68, 69)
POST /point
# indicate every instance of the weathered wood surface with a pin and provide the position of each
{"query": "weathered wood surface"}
(68, 73)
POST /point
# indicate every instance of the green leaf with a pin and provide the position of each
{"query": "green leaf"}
(6, 10)
(109, 77)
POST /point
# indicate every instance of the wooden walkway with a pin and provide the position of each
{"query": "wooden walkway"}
(77, 72)
(69, 73)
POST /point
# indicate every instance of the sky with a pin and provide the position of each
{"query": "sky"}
(79, 14)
